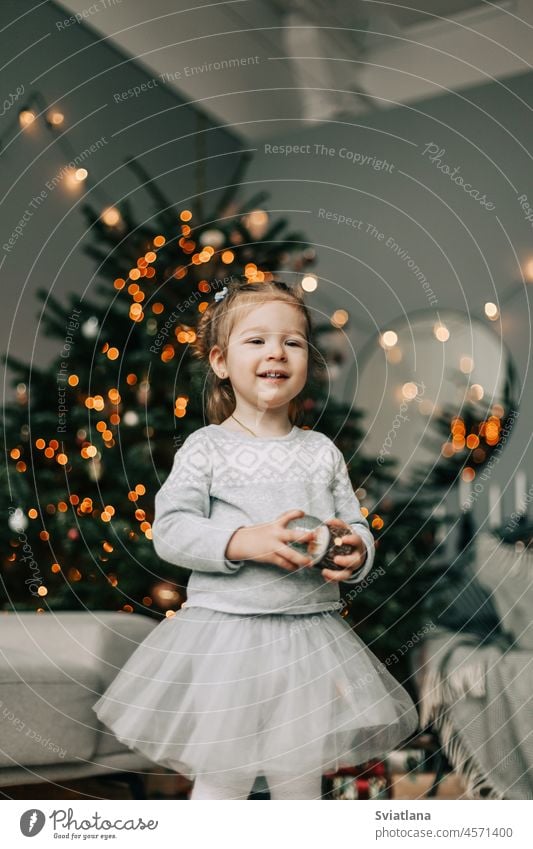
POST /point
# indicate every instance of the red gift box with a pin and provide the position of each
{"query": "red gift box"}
(370, 780)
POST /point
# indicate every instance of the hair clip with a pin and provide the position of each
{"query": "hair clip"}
(219, 296)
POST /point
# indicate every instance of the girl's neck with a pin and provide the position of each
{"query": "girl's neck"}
(258, 424)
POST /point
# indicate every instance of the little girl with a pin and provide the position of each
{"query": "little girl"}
(257, 673)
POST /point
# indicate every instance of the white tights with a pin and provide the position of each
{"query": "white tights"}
(239, 787)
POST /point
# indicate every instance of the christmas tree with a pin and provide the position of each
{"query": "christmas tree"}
(92, 436)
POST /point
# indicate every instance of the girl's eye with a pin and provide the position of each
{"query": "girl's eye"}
(289, 342)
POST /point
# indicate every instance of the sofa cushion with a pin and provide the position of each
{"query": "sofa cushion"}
(53, 668)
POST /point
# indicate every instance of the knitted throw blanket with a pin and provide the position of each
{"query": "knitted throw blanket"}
(479, 699)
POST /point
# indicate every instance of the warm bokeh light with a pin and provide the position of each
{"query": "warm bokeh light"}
(111, 216)
(409, 391)
(309, 283)
(528, 271)
(476, 392)
(26, 118)
(441, 332)
(256, 222)
(492, 311)
(388, 339)
(339, 318)
(393, 355)
(56, 118)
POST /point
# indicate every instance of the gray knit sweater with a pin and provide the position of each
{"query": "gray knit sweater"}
(222, 480)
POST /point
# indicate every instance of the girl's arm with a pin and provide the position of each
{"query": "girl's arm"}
(347, 508)
(182, 533)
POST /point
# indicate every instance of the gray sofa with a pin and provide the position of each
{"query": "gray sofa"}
(53, 667)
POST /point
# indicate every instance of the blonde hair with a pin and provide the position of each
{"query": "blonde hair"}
(216, 324)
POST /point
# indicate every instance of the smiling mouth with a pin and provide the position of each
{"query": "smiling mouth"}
(273, 375)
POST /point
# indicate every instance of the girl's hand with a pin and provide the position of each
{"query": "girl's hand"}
(351, 562)
(267, 543)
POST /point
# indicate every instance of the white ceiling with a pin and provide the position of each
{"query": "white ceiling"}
(314, 59)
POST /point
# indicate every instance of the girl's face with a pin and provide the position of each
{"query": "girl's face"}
(269, 339)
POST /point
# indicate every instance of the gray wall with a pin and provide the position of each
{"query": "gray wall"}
(72, 66)
(469, 253)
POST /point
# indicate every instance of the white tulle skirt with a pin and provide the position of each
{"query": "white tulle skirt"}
(209, 692)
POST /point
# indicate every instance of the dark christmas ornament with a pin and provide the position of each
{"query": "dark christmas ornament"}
(325, 547)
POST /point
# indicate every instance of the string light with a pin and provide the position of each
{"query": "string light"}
(476, 392)
(441, 332)
(393, 355)
(256, 222)
(111, 217)
(90, 327)
(26, 118)
(528, 271)
(309, 283)
(73, 181)
(339, 318)
(409, 391)
(55, 118)
(388, 339)
(130, 418)
(466, 364)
